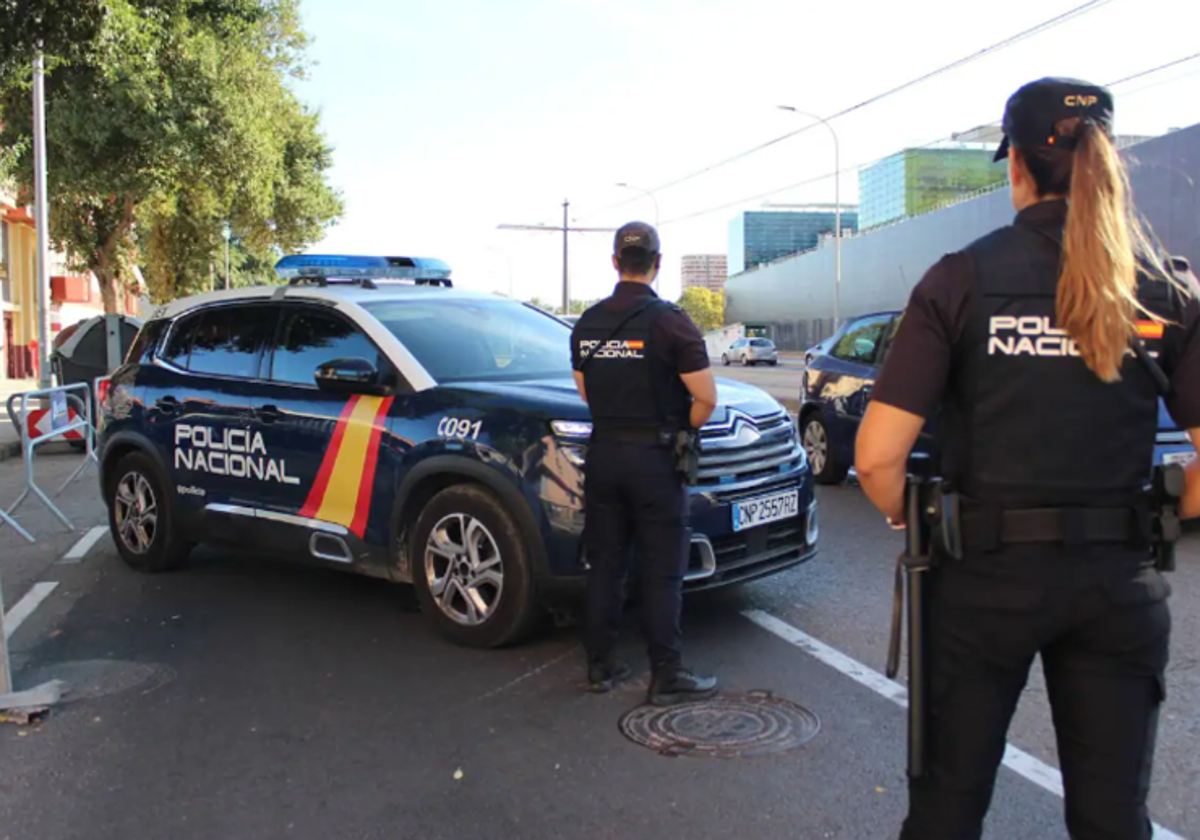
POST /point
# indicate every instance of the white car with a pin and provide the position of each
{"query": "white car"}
(751, 351)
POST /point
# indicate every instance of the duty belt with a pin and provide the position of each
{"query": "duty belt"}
(986, 528)
(650, 437)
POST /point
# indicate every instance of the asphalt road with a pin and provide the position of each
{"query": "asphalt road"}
(781, 381)
(246, 698)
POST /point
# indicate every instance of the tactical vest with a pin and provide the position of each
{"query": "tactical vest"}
(1027, 422)
(628, 387)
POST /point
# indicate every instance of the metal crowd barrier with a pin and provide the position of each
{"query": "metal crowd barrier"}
(61, 398)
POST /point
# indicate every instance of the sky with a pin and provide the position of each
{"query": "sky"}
(449, 118)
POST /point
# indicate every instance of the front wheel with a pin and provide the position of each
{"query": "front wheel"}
(140, 517)
(725, 359)
(825, 466)
(472, 571)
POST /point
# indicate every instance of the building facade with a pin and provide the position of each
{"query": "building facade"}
(72, 297)
(920, 180)
(763, 236)
(916, 181)
(708, 271)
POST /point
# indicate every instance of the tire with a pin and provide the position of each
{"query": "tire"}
(825, 467)
(725, 360)
(138, 489)
(512, 609)
(774, 363)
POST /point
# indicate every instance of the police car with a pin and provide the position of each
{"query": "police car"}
(368, 416)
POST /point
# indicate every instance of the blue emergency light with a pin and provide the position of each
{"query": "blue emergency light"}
(325, 267)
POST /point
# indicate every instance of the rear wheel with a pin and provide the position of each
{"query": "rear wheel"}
(471, 569)
(826, 468)
(140, 518)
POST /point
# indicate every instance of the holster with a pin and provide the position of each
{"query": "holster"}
(943, 513)
(1166, 491)
(687, 455)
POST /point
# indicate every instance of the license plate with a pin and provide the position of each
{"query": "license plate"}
(1178, 457)
(765, 509)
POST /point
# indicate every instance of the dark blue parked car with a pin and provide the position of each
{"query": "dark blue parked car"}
(837, 386)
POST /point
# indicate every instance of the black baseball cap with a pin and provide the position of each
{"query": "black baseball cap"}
(1033, 111)
(636, 235)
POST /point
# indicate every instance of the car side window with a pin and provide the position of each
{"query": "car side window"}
(889, 336)
(228, 341)
(179, 345)
(861, 341)
(309, 337)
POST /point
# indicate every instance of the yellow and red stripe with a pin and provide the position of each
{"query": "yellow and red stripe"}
(1150, 329)
(342, 490)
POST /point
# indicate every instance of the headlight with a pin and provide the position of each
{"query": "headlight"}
(578, 429)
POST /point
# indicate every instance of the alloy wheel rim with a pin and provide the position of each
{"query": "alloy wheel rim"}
(815, 445)
(464, 569)
(136, 513)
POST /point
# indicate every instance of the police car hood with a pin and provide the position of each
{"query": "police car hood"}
(557, 397)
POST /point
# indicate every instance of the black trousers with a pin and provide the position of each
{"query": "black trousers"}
(635, 505)
(1098, 618)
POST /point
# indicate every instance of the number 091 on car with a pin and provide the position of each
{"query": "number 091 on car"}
(765, 509)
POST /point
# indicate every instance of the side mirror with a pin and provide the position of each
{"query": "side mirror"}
(353, 375)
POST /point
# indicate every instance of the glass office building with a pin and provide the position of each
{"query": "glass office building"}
(761, 236)
(917, 181)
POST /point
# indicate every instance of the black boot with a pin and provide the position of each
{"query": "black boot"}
(605, 672)
(676, 684)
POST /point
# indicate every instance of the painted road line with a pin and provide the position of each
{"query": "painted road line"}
(84, 545)
(25, 607)
(1020, 762)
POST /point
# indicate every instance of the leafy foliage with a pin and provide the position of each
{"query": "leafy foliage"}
(175, 120)
(705, 307)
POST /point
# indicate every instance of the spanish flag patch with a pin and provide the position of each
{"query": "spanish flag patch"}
(342, 490)
(1149, 329)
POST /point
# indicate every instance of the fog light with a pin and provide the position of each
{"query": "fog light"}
(813, 529)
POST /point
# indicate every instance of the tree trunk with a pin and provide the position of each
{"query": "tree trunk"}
(108, 290)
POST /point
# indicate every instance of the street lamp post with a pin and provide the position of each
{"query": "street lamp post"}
(226, 232)
(837, 199)
(646, 193)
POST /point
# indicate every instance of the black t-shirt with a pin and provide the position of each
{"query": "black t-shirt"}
(677, 341)
(916, 374)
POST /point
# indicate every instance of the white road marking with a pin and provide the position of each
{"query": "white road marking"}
(1020, 762)
(25, 607)
(84, 545)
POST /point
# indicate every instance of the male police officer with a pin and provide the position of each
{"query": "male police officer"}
(642, 367)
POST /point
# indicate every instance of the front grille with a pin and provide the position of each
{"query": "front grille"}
(749, 554)
(746, 448)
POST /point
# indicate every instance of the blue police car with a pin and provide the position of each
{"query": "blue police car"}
(836, 388)
(368, 416)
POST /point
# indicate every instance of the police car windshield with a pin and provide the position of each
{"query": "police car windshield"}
(459, 340)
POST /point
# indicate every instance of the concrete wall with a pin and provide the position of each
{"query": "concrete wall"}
(795, 296)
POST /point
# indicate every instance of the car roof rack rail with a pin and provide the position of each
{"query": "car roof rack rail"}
(365, 271)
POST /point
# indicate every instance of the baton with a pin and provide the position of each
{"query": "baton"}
(911, 564)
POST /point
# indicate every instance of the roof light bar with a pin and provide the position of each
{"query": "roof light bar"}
(351, 267)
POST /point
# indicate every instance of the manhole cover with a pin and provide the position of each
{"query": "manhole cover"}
(93, 678)
(724, 727)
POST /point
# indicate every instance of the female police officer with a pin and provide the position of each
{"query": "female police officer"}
(1046, 430)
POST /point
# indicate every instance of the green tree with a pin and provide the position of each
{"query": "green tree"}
(174, 120)
(705, 307)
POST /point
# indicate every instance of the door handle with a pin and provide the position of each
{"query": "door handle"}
(268, 413)
(167, 405)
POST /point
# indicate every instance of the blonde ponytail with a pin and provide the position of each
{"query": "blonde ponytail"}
(1097, 292)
